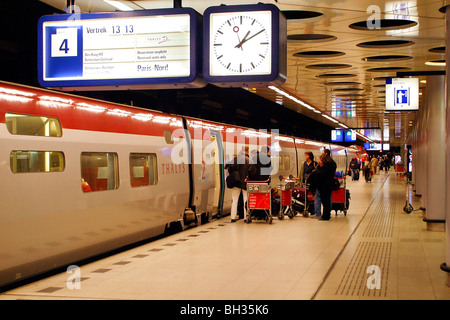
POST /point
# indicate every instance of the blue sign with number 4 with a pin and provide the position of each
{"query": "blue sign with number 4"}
(64, 52)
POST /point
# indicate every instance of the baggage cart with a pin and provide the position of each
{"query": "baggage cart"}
(259, 204)
(303, 200)
(286, 186)
(340, 198)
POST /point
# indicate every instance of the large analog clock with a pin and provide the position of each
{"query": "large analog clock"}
(241, 43)
(244, 45)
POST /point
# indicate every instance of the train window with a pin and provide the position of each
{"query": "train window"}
(36, 161)
(143, 169)
(30, 125)
(168, 137)
(99, 171)
(287, 163)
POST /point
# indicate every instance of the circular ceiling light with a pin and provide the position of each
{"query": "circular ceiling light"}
(387, 58)
(311, 37)
(347, 89)
(388, 69)
(436, 63)
(336, 75)
(438, 49)
(328, 66)
(295, 16)
(351, 95)
(383, 24)
(318, 54)
(385, 44)
(342, 83)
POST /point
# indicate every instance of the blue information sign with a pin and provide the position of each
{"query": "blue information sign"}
(145, 49)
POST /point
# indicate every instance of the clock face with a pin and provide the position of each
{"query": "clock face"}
(240, 43)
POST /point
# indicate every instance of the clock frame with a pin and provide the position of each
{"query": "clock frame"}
(244, 46)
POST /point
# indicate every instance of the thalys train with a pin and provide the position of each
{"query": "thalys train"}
(81, 177)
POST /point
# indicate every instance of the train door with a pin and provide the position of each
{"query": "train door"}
(219, 175)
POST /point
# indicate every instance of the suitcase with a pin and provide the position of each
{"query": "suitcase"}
(356, 175)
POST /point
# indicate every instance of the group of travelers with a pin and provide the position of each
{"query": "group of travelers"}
(320, 177)
(254, 167)
(374, 165)
(257, 167)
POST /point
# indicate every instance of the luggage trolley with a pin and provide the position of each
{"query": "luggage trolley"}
(341, 197)
(303, 200)
(259, 199)
(286, 186)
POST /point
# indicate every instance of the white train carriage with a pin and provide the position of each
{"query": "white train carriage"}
(82, 177)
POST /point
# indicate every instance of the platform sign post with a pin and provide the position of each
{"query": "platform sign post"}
(145, 49)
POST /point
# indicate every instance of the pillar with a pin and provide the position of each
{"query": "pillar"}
(434, 124)
(446, 265)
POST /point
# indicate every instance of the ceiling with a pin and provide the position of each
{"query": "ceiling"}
(332, 64)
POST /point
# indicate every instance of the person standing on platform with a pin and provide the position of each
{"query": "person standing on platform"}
(374, 165)
(354, 168)
(308, 166)
(324, 176)
(239, 169)
(263, 164)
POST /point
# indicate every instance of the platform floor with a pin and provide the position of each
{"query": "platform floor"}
(298, 259)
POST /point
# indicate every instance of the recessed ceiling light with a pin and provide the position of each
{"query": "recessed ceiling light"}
(336, 75)
(296, 16)
(318, 54)
(438, 49)
(436, 63)
(328, 66)
(386, 58)
(385, 44)
(312, 37)
(384, 24)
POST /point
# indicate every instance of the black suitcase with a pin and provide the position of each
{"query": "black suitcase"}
(356, 175)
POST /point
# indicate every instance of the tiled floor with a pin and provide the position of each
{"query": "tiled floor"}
(288, 260)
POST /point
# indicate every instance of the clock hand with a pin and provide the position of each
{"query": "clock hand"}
(242, 42)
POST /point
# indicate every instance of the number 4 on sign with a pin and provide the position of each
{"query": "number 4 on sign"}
(64, 43)
(64, 46)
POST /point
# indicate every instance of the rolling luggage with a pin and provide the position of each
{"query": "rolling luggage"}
(356, 175)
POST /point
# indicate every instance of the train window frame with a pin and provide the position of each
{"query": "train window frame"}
(153, 177)
(90, 183)
(47, 155)
(12, 125)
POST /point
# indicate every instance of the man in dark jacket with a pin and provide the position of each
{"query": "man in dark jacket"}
(244, 166)
(324, 177)
(263, 164)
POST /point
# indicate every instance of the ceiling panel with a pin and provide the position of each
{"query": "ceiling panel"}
(316, 85)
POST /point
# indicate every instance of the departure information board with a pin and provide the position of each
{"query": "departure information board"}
(120, 50)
